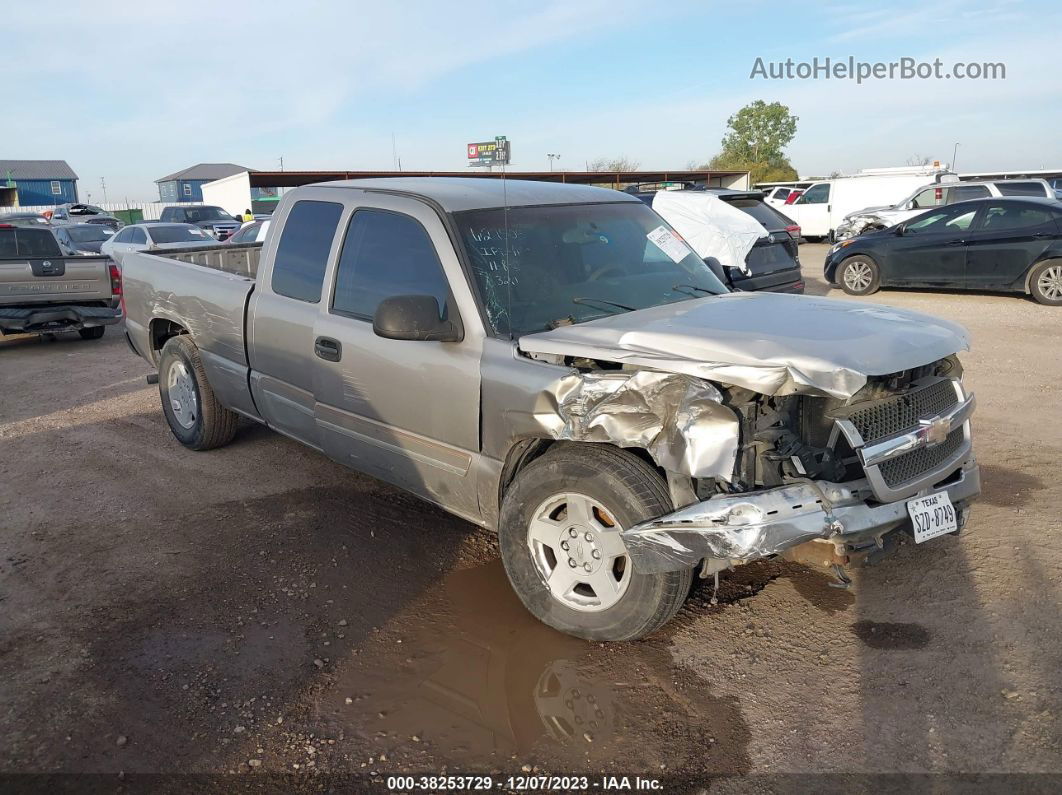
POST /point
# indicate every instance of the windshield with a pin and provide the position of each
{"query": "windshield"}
(177, 234)
(195, 214)
(88, 234)
(573, 263)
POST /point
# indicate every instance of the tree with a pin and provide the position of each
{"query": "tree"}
(622, 163)
(919, 160)
(757, 136)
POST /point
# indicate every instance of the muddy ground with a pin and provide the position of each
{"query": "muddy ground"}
(257, 609)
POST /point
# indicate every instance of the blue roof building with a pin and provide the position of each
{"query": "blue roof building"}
(187, 185)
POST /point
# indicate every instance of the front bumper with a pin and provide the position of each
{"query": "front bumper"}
(30, 319)
(743, 527)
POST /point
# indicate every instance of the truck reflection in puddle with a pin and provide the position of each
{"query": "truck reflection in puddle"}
(466, 676)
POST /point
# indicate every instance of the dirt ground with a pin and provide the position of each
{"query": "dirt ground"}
(258, 610)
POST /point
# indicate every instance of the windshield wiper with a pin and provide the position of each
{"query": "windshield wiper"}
(678, 287)
(624, 307)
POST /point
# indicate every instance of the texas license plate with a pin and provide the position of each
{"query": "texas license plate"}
(932, 516)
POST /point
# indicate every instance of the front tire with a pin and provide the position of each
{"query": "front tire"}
(93, 333)
(560, 541)
(1045, 283)
(194, 415)
(859, 275)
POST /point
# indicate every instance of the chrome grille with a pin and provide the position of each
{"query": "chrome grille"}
(900, 413)
(911, 465)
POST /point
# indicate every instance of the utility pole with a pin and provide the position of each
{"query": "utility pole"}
(103, 186)
(281, 159)
(552, 157)
(954, 152)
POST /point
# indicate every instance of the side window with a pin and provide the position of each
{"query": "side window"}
(123, 236)
(961, 193)
(187, 189)
(1021, 189)
(816, 194)
(1000, 217)
(57, 188)
(930, 197)
(298, 270)
(941, 221)
(386, 254)
(137, 235)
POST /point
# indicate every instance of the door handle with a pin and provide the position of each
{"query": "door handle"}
(1043, 235)
(328, 349)
(955, 243)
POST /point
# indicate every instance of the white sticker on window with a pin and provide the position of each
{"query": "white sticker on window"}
(669, 243)
(199, 232)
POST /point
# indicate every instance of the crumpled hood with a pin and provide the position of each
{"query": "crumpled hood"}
(771, 343)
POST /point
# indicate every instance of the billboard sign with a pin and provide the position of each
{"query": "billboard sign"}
(489, 153)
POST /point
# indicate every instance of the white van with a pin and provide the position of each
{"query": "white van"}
(824, 205)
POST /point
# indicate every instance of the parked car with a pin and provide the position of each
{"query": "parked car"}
(213, 220)
(1003, 244)
(936, 195)
(773, 261)
(24, 219)
(619, 434)
(42, 290)
(824, 205)
(250, 232)
(84, 214)
(780, 196)
(152, 236)
(82, 238)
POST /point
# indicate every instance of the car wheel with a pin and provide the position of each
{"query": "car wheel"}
(194, 415)
(93, 333)
(859, 275)
(1045, 283)
(559, 533)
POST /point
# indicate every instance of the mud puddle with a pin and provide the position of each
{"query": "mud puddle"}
(468, 678)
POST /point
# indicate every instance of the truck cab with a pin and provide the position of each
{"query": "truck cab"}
(215, 221)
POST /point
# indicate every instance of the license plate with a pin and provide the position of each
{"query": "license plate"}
(932, 516)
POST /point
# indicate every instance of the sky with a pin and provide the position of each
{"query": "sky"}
(132, 91)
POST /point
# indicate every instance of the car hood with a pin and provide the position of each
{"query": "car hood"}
(771, 343)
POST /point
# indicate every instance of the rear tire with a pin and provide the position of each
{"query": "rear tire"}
(194, 415)
(597, 491)
(93, 333)
(1045, 283)
(859, 275)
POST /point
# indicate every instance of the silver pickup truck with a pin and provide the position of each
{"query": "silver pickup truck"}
(44, 291)
(553, 362)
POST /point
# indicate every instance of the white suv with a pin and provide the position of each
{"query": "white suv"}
(935, 195)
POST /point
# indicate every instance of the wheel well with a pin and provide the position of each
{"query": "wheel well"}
(1028, 276)
(527, 450)
(161, 330)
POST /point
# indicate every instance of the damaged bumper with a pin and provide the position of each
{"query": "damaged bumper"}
(16, 320)
(744, 527)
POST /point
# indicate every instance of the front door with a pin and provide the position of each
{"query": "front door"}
(812, 210)
(1011, 236)
(283, 312)
(930, 249)
(406, 411)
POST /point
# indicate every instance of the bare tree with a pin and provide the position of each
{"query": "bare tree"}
(919, 160)
(622, 163)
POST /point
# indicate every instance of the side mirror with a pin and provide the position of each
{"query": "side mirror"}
(898, 230)
(414, 317)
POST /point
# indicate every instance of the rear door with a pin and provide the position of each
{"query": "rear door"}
(1012, 236)
(812, 210)
(33, 270)
(405, 411)
(776, 251)
(931, 251)
(283, 311)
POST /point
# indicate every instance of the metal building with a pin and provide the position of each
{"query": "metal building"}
(187, 185)
(27, 183)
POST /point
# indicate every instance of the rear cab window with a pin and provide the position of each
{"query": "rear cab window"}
(24, 242)
(302, 255)
(1021, 189)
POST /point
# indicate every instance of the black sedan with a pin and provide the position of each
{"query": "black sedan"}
(81, 238)
(1006, 244)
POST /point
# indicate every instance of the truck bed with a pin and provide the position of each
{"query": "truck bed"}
(203, 290)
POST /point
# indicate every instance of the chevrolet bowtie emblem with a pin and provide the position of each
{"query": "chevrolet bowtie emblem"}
(935, 431)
